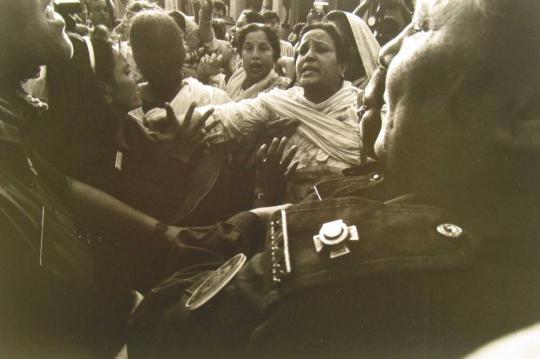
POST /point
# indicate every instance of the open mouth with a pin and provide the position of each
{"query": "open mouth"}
(309, 70)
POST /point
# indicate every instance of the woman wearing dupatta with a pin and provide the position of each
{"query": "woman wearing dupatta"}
(260, 49)
(323, 103)
(363, 44)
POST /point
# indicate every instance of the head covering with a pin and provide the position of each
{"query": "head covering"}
(366, 43)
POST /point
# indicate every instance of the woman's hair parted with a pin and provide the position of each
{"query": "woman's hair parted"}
(270, 35)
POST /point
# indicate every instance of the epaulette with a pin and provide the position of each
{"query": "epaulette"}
(320, 242)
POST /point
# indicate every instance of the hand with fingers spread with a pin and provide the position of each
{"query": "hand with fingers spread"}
(187, 138)
(273, 170)
(210, 65)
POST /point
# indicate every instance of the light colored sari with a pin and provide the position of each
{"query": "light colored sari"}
(235, 85)
(326, 137)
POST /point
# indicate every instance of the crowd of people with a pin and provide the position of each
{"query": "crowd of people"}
(174, 186)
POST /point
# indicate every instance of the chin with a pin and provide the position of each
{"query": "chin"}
(63, 50)
(379, 147)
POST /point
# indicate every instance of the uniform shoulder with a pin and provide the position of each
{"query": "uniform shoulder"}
(343, 238)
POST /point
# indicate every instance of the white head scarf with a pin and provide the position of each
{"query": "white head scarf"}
(366, 43)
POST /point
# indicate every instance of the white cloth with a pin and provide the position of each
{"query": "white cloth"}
(195, 91)
(326, 137)
(236, 92)
(192, 91)
(366, 43)
(286, 48)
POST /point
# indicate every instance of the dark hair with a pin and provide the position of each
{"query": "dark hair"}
(298, 27)
(220, 5)
(342, 52)
(79, 120)
(269, 15)
(252, 17)
(140, 5)
(103, 56)
(270, 35)
(179, 19)
(220, 29)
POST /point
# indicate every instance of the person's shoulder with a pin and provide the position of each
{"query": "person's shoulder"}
(353, 237)
(213, 95)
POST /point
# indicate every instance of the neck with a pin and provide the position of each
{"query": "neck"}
(502, 209)
(320, 94)
(166, 92)
(250, 81)
(13, 73)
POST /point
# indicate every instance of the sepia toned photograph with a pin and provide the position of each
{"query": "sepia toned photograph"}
(272, 179)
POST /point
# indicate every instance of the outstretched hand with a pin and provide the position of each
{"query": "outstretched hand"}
(188, 137)
(273, 169)
(210, 65)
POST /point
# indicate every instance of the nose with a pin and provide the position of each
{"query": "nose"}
(391, 49)
(256, 53)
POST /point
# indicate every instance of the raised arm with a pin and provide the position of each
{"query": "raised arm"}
(206, 33)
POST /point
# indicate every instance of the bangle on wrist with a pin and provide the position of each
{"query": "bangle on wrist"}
(160, 229)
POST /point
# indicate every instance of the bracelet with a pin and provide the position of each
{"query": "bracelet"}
(160, 229)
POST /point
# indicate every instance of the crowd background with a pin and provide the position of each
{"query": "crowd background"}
(141, 183)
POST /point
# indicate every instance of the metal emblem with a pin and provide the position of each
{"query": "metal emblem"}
(279, 248)
(215, 282)
(449, 230)
(334, 236)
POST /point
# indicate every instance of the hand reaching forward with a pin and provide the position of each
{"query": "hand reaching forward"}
(273, 170)
(188, 137)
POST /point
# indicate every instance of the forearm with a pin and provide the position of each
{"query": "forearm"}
(103, 210)
(206, 32)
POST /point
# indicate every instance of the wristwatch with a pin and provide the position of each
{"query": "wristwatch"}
(261, 196)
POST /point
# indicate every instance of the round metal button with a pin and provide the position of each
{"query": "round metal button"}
(449, 230)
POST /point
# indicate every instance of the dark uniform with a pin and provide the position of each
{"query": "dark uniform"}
(49, 292)
(348, 277)
(64, 289)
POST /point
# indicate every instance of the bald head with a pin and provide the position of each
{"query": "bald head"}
(157, 46)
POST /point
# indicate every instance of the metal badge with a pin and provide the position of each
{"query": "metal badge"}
(333, 236)
(279, 248)
(216, 281)
(449, 230)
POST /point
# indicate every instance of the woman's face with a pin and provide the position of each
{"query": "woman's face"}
(257, 56)
(124, 90)
(317, 66)
(355, 68)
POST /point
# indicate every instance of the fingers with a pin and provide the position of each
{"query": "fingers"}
(291, 170)
(272, 155)
(211, 126)
(207, 114)
(289, 156)
(188, 115)
(281, 147)
(261, 153)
